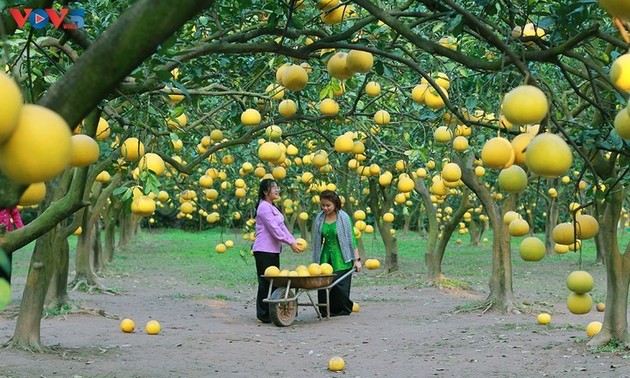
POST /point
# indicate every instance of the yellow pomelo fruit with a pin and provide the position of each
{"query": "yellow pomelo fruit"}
(513, 179)
(543, 318)
(205, 181)
(622, 123)
(178, 122)
(438, 188)
(372, 264)
(102, 129)
(525, 104)
(216, 135)
(616, 8)
(620, 73)
(580, 281)
(187, 207)
(564, 233)
(295, 78)
(328, 107)
(287, 108)
(39, 148)
(132, 149)
(433, 99)
(34, 194)
(359, 61)
(497, 153)
(143, 206)
(336, 364)
(163, 196)
(519, 144)
(127, 325)
(337, 66)
(561, 249)
(269, 151)
(460, 143)
(388, 217)
(337, 15)
(359, 215)
(443, 134)
(250, 117)
(344, 143)
(273, 132)
(10, 106)
(314, 269)
(480, 171)
(84, 151)
(418, 93)
(279, 172)
(451, 172)
(587, 226)
(220, 248)
(272, 271)
(532, 249)
(152, 162)
(280, 72)
(358, 147)
(307, 178)
(381, 117)
(153, 327)
(406, 184)
(593, 328)
(579, 304)
(510, 216)
(355, 307)
(275, 91)
(518, 227)
(326, 4)
(373, 88)
(326, 268)
(385, 179)
(548, 156)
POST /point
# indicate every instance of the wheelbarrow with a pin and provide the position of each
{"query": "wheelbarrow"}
(283, 301)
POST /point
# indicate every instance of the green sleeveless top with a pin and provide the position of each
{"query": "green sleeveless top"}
(331, 251)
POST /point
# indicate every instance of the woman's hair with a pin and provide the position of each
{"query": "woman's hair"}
(265, 187)
(331, 196)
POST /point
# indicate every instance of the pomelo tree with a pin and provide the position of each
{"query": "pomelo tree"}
(172, 91)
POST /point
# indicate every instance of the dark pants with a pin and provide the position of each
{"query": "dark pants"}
(263, 261)
(5, 265)
(340, 303)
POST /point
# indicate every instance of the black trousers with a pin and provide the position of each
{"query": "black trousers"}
(5, 271)
(263, 261)
(340, 303)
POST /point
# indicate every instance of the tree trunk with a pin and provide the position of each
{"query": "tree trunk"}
(97, 249)
(28, 326)
(57, 295)
(475, 232)
(448, 230)
(501, 292)
(85, 259)
(124, 228)
(553, 212)
(384, 228)
(110, 237)
(615, 325)
(431, 259)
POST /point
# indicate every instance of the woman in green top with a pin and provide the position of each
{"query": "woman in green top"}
(334, 242)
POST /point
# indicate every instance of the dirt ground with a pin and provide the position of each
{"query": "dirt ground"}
(398, 332)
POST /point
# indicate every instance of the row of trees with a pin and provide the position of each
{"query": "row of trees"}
(150, 63)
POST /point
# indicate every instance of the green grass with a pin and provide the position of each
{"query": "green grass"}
(191, 256)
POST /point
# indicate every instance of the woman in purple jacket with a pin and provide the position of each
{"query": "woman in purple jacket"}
(271, 232)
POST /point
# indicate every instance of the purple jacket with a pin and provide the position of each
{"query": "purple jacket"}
(271, 231)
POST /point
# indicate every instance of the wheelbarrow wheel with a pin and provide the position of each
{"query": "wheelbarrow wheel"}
(283, 314)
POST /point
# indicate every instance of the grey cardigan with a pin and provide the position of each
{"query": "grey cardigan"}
(344, 234)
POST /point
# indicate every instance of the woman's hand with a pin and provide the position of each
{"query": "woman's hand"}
(296, 248)
(357, 265)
